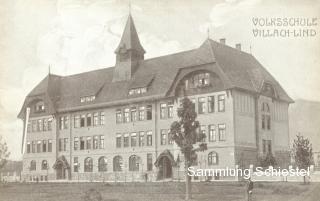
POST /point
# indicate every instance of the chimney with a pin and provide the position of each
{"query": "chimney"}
(238, 46)
(223, 41)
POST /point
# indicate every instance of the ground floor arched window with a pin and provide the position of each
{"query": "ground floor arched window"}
(102, 164)
(134, 163)
(33, 165)
(88, 164)
(44, 165)
(117, 164)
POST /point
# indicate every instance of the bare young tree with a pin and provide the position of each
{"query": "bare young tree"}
(4, 154)
(185, 134)
(302, 153)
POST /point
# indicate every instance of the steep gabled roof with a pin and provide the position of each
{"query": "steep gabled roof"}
(236, 68)
(130, 39)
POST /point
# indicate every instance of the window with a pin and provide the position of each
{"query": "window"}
(138, 91)
(75, 164)
(149, 138)
(213, 158)
(133, 139)
(149, 162)
(141, 139)
(33, 165)
(95, 119)
(88, 164)
(126, 117)
(126, 140)
(49, 145)
(44, 146)
(141, 113)
(45, 124)
(66, 122)
(133, 114)
(198, 80)
(221, 103)
(77, 121)
(101, 145)
(149, 112)
(193, 100)
(39, 146)
(163, 136)
(49, 124)
(118, 116)
(88, 142)
(34, 126)
(87, 98)
(117, 164)
(29, 127)
(222, 132)
(118, 141)
(65, 142)
(203, 132)
(39, 107)
(76, 143)
(265, 117)
(61, 123)
(101, 118)
(211, 104)
(163, 110)
(82, 120)
(95, 142)
(170, 110)
(102, 164)
(28, 147)
(201, 105)
(60, 144)
(82, 142)
(33, 147)
(134, 163)
(170, 140)
(39, 125)
(89, 119)
(266, 146)
(212, 133)
(44, 165)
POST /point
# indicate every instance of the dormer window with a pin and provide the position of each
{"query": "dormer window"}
(198, 80)
(85, 99)
(39, 107)
(138, 91)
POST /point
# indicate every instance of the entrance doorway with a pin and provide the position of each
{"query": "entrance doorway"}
(60, 171)
(165, 168)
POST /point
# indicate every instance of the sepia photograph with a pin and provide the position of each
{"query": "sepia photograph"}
(152, 100)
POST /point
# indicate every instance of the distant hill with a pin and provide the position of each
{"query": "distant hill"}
(304, 117)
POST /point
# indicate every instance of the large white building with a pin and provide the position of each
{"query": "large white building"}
(112, 123)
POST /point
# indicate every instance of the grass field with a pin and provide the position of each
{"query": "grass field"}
(168, 191)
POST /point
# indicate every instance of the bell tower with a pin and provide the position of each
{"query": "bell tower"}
(128, 53)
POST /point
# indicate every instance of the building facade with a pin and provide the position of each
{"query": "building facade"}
(112, 124)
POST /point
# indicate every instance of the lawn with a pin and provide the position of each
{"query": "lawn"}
(168, 191)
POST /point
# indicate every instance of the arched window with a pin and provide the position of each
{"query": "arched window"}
(213, 158)
(117, 164)
(265, 116)
(134, 163)
(88, 164)
(102, 164)
(33, 165)
(44, 165)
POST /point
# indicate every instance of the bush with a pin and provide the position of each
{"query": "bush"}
(267, 160)
(92, 195)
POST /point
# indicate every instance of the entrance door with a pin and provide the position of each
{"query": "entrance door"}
(60, 171)
(165, 167)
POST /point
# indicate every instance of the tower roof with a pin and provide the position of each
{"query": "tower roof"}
(130, 39)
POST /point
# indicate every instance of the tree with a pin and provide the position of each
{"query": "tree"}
(302, 153)
(4, 154)
(185, 134)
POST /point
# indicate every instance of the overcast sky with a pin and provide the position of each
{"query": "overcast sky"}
(74, 36)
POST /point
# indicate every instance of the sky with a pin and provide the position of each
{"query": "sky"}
(74, 36)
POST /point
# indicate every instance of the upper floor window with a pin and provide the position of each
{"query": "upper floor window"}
(221, 103)
(201, 105)
(39, 106)
(265, 116)
(222, 132)
(211, 104)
